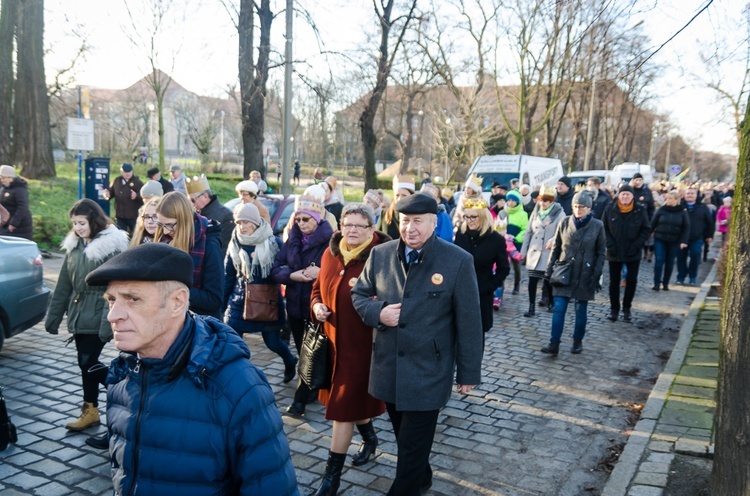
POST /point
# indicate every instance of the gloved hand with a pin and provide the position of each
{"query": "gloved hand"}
(51, 330)
(598, 286)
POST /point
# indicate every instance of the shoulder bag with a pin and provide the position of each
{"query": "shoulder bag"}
(7, 429)
(261, 302)
(313, 358)
(561, 273)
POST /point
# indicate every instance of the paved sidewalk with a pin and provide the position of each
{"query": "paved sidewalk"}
(536, 425)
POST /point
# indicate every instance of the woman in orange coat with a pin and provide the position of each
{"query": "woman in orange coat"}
(347, 401)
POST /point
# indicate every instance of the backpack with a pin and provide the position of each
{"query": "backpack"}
(7, 429)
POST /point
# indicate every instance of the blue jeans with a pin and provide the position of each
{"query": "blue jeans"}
(665, 255)
(694, 250)
(273, 342)
(558, 318)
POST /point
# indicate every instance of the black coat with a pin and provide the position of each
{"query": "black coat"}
(221, 215)
(566, 201)
(487, 249)
(626, 233)
(644, 196)
(166, 186)
(601, 203)
(15, 198)
(671, 224)
(701, 221)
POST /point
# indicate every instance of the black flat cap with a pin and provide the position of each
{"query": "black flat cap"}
(126, 167)
(149, 262)
(418, 203)
(152, 172)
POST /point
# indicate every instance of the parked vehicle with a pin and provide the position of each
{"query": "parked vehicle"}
(23, 295)
(280, 209)
(628, 169)
(609, 178)
(533, 171)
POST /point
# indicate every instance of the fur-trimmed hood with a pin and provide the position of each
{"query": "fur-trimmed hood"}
(109, 241)
(336, 239)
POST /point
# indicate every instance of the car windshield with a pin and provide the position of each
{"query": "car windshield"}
(503, 178)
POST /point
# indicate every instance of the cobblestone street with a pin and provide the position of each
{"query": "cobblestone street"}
(535, 426)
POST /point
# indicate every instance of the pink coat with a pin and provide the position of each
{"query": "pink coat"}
(724, 214)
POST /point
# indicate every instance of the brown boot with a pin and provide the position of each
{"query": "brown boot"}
(89, 417)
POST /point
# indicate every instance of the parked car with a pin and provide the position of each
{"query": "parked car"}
(280, 209)
(23, 295)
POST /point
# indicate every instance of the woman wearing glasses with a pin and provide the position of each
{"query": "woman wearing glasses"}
(250, 256)
(92, 241)
(347, 400)
(476, 235)
(297, 266)
(180, 226)
(537, 245)
(145, 227)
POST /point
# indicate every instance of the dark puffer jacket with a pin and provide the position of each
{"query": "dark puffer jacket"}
(671, 224)
(294, 256)
(626, 233)
(488, 250)
(701, 221)
(201, 421)
(15, 198)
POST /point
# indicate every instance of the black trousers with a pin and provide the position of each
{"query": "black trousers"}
(414, 433)
(546, 289)
(93, 372)
(127, 225)
(485, 308)
(303, 394)
(631, 280)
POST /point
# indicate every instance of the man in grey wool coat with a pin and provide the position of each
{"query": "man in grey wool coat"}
(420, 294)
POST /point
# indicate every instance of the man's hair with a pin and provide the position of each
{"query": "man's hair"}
(595, 180)
(166, 288)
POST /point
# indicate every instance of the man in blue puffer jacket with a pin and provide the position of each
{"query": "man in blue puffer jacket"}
(187, 412)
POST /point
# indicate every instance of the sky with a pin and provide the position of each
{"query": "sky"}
(202, 49)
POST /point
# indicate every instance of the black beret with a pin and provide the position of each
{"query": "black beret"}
(147, 262)
(152, 172)
(418, 203)
(565, 180)
(126, 167)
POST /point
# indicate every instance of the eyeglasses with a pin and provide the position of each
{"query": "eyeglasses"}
(471, 217)
(354, 227)
(580, 206)
(167, 227)
(302, 220)
(195, 198)
(150, 218)
(247, 193)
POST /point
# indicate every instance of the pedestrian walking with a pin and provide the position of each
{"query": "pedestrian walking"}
(701, 230)
(187, 411)
(487, 247)
(297, 266)
(537, 246)
(250, 256)
(627, 228)
(14, 197)
(724, 219)
(208, 205)
(125, 189)
(671, 228)
(517, 222)
(580, 244)
(92, 241)
(180, 226)
(347, 400)
(420, 294)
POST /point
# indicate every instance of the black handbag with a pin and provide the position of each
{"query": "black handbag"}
(7, 429)
(561, 273)
(313, 366)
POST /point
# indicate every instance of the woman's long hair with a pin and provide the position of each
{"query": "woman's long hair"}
(140, 230)
(175, 205)
(98, 220)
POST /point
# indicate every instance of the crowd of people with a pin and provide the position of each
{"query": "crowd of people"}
(405, 287)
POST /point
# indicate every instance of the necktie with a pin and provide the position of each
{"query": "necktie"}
(411, 258)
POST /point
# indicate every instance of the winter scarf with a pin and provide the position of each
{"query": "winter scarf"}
(544, 213)
(265, 252)
(626, 209)
(581, 223)
(198, 250)
(350, 254)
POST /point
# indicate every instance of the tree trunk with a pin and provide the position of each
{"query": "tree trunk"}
(8, 12)
(32, 140)
(253, 80)
(731, 470)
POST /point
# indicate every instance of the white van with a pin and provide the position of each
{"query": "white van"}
(533, 171)
(628, 169)
(609, 178)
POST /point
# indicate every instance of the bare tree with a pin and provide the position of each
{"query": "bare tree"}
(202, 122)
(32, 142)
(386, 54)
(8, 14)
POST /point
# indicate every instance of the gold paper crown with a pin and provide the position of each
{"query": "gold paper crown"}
(547, 191)
(308, 203)
(405, 182)
(431, 190)
(475, 204)
(475, 181)
(196, 184)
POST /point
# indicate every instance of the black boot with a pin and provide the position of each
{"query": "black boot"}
(626, 315)
(369, 443)
(531, 312)
(577, 346)
(99, 442)
(553, 348)
(290, 370)
(329, 485)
